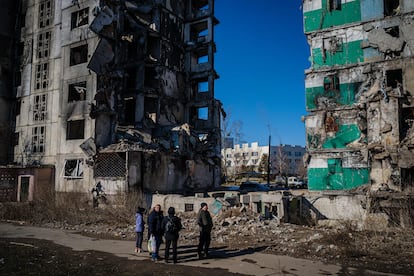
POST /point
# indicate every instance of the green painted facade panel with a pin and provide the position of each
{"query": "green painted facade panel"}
(337, 178)
(351, 53)
(323, 18)
(345, 135)
(344, 97)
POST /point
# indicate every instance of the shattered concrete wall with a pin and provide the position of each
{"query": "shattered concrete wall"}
(359, 99)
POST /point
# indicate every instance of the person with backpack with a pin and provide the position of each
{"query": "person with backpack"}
(171, 226)
(139, 229)
(205, 224)
(155, 219)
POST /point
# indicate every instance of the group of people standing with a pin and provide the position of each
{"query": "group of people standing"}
(169, 226)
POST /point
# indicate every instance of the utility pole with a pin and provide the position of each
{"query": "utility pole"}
(268, 163)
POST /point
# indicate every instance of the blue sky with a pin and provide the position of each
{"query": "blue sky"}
(261, 57)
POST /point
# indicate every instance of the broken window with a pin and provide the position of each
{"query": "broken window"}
(45, 13)
(129, 110)
(151, 80)
(110, 165)
(16, 138)
(77, 92)
(394, 78)
(43, 45)
(42, 76)
(38, 139)
(18, 106)
(331, 83)
(40, 108)
(188, 207)
(73, 168)
(199, 31)
(79, 18)
(335, 5)
(151, 108)
(203, 113)
(391, 7)
(78, 55)
(75, 129)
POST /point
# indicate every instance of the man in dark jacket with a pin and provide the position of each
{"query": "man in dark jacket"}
(206, 224)
(171, 225)
(155, 228)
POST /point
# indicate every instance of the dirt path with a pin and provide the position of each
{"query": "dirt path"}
(246, 262)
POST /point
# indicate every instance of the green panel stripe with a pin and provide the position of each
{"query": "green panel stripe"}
(347, 178)
(345, 96)
(345, 135)
(351, 53)
(321, 19)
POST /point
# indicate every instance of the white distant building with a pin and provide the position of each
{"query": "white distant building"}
(284, 159)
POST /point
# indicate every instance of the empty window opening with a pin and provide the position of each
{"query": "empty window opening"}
(406, 122)
(153, 48)
(16, 138)
(391, 7)
(151, 108)
(202, 59)
(203, 87)
(110, 165)
(73, 168)
(335, 5)
(42, 76)
(79, 55)
(188, 207)
(394, 78)
(43, 45)
(45, 13)
(197, 5)
(393, 31)
(129, 110)
(79, 18)
(203, 137)
(203, 113)
(151, 77)
(40, 108)
(38, 139)
(75, 130)
(18, 106)
(199, 31)
(331, 83)
(77, 92)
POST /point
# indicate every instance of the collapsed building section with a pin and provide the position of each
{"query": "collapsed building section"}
(157, 123)
(359, 95)
(115, 92)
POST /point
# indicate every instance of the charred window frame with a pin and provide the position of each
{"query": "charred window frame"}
(38, 139)
(331, 83)
(42, 76)
(43, 45)
(73, 168)
(77, 92)
(129, 111)
(78, 55)
(75, 130)
(40, 108)
(394, 78)
(199, 31)
(45, 14)
(79, 18)
(334, 5)
(188, 207)
(151, 108)
(391, 7)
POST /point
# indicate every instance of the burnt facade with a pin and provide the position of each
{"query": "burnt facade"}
(120, 92)
(359, 95)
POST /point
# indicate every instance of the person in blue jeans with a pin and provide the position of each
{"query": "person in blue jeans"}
(155, 219)
(139, 229)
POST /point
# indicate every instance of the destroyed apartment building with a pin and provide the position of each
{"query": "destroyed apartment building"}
(115, 92)
(359, 98)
